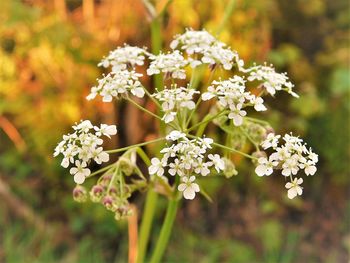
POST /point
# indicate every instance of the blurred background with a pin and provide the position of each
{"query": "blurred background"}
(49, 52)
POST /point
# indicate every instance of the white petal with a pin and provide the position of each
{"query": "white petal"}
(189, 193)
(181, 187)
(260, 170)
(79, 178)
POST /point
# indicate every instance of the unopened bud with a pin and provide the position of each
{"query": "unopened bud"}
(96, 193)
(80, 194)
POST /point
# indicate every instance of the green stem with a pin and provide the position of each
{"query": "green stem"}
(206, 119)
(135, 145)
(228, 12)
(143, 109)
(165, 231)
(234, 150)
(146, 224)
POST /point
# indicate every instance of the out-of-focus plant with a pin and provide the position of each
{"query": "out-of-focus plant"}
(183, 111)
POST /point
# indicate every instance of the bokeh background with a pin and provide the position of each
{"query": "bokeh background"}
(48, 56)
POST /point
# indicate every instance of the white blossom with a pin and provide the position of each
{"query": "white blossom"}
(271, 141)
(188, 187)
(124, 57)
(172, 64)
(202, 47)
(231, 95)
(174, 99)
(294, 188)
(156, 167)
(82, 146)
(265, 166)
(186, 157)
(290, 157)
(218, 162)
(116, 84)
(79, 172)
(193, 42)
(270, 79)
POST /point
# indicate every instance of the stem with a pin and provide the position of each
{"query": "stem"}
(146, 224)
(206, 119)
(234, 150)
(135, 145)
(101, 170)
(151, 97)
(229, 9)
(143, 109)
(257, 121)
(165, 231)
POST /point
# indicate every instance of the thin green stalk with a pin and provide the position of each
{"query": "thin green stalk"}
(165, 231)
(206, 119)
(228, 12)
(146, 224)
(257, 121)
(151, 97)
(135, 145)
(152, 197)
(144, 109)
(102, 170)
(234, 150)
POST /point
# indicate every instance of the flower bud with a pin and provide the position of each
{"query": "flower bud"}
(108, 202)
(126, 166)
(80, 194)
(230, 168)
(96, 193)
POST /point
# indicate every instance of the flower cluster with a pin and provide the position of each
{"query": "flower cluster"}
(171, 64)
(187, 159)
(82, 146)
(270, 79)
(212, 51)
(175, 99)
(231, 95)
(124, 58)
(291, 157)
(116, 84)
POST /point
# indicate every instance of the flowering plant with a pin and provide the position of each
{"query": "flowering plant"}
(184, 112)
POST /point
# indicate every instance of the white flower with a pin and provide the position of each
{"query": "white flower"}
(79, 172)
(309, 167)
(193, 42)
(188, 187)
(156, 167)
(175, 135)
(290, 166)
(82, 146)
(123, 57)
(217, 161)
(106, 130)
(202, 168)
(237, 114)
(172, 64)
(294, 188)
(271, 141)
(174, 99)
(217, 54)
(265, 166)
(116, 84)
(270, 79)
(176, 168)
(99, 155)
(258, 103)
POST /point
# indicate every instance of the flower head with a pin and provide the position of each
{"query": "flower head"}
(82, 146)
(124, 57)
(172, 64)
